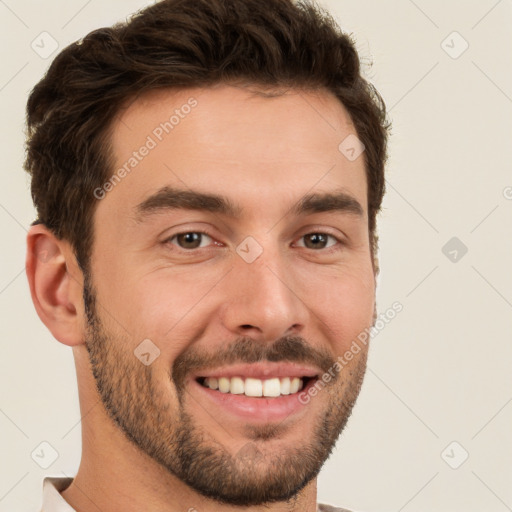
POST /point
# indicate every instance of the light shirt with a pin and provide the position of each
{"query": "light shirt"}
(54, 502)
(52, 499)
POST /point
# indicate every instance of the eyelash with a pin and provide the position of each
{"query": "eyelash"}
(335, 247)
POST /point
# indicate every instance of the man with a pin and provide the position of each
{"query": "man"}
(207, 178)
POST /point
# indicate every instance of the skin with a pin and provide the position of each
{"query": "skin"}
(264, 154)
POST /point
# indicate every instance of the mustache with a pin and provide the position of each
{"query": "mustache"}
(246, 350)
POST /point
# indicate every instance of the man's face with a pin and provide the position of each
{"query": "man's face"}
(278, 287)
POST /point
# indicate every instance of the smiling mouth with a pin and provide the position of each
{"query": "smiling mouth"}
(256, 388)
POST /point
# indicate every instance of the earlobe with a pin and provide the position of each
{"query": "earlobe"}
(56, 283)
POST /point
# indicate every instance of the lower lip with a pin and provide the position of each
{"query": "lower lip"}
(256, 409)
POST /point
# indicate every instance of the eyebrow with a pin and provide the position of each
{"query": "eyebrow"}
(168, 198)
(337, 201)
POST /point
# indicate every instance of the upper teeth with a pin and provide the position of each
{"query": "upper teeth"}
(255, 387)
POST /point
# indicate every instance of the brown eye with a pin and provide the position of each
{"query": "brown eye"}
(317, 240)
(190, 240)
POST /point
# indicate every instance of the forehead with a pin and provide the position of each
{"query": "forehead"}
(262, 151)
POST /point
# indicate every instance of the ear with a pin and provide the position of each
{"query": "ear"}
(56, 284)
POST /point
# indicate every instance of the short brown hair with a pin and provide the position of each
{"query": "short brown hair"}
(181, 44)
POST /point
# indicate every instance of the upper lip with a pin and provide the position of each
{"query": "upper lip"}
(261, 371)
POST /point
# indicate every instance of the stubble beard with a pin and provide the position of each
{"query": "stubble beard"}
(140, 406)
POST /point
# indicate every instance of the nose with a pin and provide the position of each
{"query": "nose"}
(261, 301)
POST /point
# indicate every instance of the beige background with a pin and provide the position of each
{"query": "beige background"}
(441, 370)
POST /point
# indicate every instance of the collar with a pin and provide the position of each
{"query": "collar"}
(52, 499)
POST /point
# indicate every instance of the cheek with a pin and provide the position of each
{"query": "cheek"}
(162, 303)
(345, 305)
